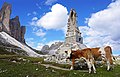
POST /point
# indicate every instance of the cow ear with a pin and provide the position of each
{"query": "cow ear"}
(66, 51)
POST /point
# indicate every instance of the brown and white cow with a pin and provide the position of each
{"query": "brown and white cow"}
(105, 53)
(85, 54)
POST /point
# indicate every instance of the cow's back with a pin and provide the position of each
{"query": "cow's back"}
(95, 52)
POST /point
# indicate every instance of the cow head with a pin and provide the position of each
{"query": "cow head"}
(68, 53)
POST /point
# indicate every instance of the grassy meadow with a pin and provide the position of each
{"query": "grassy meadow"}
(21, 66)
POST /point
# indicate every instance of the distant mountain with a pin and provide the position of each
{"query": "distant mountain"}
(52, 49)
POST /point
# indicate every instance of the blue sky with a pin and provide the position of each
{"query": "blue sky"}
(46, 21)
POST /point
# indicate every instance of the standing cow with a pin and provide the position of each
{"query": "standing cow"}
(85, 54)
(105, 53)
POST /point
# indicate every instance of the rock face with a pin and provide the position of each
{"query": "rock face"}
(73, 39)
(11, 26)
(17, 31)
(23, 30)
(45, 49)
(73, 34)
(52, 49)
(4, 17)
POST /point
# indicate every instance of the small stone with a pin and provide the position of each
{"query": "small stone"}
(36, 69)
(75, 73)
(14, 61)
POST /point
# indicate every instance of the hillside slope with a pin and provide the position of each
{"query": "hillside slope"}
(7, 39)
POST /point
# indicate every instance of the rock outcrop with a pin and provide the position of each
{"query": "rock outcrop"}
(11, 26)
(52, 49)
(73, 39)
(45, 49)
(16, 30)
(5, 17)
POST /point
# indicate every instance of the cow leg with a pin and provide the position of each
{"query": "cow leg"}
(72, 66)
(89, 65)
(108, 65)
(92, 63)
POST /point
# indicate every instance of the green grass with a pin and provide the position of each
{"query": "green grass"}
(30, 69)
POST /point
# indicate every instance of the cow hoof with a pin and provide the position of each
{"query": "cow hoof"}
(71, 68)
(94, 72)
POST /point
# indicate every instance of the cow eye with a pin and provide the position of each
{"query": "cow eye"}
(66, 52)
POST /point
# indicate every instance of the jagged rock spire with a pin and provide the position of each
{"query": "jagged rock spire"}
(11, 26)
(73, 34)
(4, 17)
(17, 31)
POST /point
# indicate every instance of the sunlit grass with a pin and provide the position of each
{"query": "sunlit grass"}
(31, 68)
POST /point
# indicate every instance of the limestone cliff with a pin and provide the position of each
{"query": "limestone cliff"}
(5, 17)
(11, 26)
(16, 30)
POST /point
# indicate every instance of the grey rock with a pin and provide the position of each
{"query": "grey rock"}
(52, 49)
(17, 31)
(4, 17)
(45, 49)
(11, 26)
(23, 30)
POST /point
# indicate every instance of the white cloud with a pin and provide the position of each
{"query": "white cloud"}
(39, 46)
(38, 5)
(34, 13)
(30, 42)
(34, 18)
(50, 2)
(103, 27)
(56, 19)
(28, 14)
(40, 33)
(107, 21)
(44, 39)
(52, 42)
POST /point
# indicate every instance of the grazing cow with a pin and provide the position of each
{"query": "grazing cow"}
(105, 53)
(85, 54)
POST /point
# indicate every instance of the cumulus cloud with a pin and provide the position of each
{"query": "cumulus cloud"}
(39, 46)
(103, 27)
(40, 33)
(50, 2)
(56, 19)
(34, 18)
(30, 42)
(107, 21)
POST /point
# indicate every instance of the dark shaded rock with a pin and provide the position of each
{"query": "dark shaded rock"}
(23, 30)
(17, 31)
(15, 27)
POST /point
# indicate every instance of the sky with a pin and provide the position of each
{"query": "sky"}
(46, 21)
